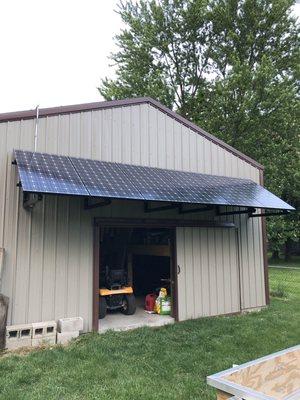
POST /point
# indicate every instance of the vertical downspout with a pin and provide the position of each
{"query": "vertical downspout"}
(237, 240)
(3, 230)
(264, 246)
(96, 271)
(174, 275)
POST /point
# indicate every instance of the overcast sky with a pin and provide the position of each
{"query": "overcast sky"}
(55, 52)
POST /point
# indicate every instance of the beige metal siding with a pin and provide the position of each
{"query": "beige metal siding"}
(208, 282)
(48, 263)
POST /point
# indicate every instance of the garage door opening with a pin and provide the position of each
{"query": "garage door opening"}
(134, 265)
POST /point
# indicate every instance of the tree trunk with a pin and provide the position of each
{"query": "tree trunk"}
(287, 250)
(275, 255)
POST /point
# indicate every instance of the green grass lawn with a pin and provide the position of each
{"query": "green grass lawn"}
(285, 282)
(293, 263)
(164, 363)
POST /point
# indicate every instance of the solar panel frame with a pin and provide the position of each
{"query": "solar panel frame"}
(47, 173)
(156, 184)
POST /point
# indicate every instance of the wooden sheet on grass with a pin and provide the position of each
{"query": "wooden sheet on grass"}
(273, 377)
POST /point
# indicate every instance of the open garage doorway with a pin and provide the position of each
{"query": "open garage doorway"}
(135, 263)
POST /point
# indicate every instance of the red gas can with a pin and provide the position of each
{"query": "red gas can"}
(150, 302)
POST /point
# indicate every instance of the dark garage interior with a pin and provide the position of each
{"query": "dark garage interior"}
(137, 258)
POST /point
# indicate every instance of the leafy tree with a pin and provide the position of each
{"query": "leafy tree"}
(164, 52)
(254, 101)
(232, 66)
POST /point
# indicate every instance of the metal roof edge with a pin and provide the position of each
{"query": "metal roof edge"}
(51, 111)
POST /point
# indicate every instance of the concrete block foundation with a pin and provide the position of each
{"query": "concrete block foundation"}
(40, 341)
(18, 336)
(70, 324)
(66, 337)
(43, 329)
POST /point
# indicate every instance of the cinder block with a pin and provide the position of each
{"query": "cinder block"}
(66, 337)
(18, 336)
(46, 340)
(12, 332)
(43, 329)
(17, 344)
(37, 330)
(70, 324)
(26, 332)
(51, 328)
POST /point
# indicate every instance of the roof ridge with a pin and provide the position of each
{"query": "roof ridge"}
(51, 111)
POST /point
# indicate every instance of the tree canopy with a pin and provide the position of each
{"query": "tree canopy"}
(231, 66)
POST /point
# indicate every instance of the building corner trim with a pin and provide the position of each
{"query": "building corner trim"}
(264, 247)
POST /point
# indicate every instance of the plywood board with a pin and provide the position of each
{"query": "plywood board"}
(276, 377)
(223, 396)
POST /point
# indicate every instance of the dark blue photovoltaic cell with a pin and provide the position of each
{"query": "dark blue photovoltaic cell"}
(105, 179)
(159, 184)
(153, 183)
(45, 173)
(241, 191)
(269, 200)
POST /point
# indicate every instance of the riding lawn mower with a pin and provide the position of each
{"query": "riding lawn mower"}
(116, 294)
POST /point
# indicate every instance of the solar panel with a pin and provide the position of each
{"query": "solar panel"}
(239, 191)
(45, 173)
(269, 200)
(105, 179)
(199, 189)
(154, 183)
(115, 180)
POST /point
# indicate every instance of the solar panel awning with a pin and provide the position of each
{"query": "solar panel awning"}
(62, 175)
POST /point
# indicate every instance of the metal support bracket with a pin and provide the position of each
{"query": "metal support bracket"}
(88, 206)
(249, 211)
(193, 210)
(269, 214)
(30, 200)
(148, 209)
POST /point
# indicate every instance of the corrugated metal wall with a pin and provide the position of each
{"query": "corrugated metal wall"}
(208, 281)
(48, 262)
